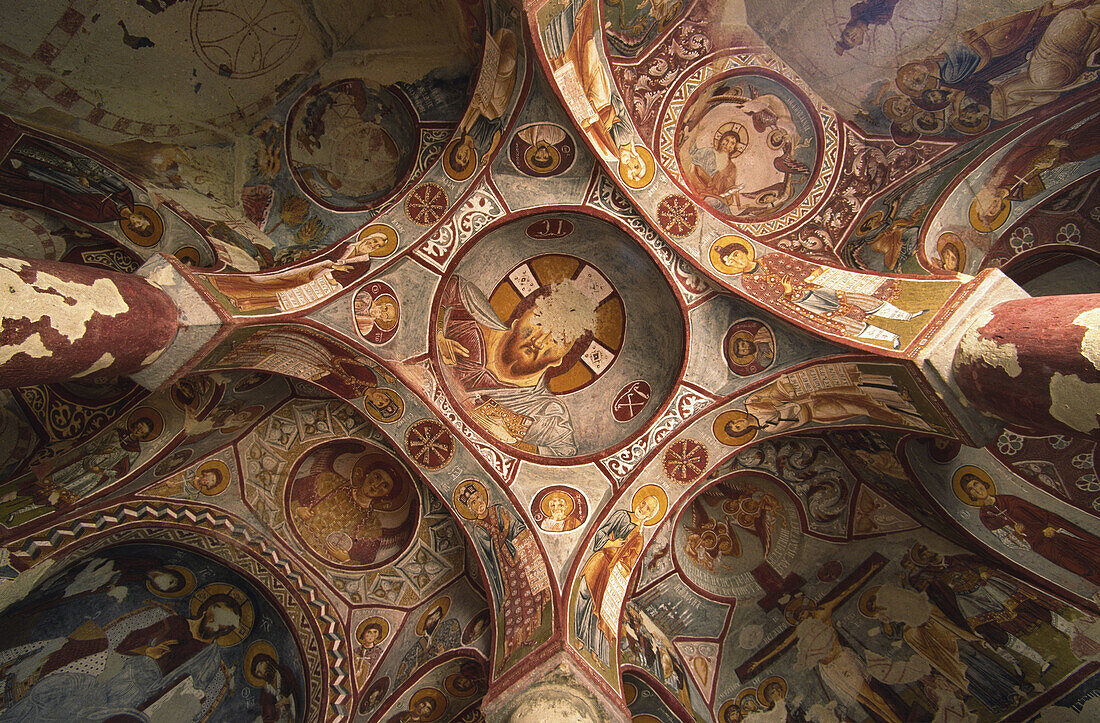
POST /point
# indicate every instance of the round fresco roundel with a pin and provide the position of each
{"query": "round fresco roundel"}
(350, 145)
(534, 338)
(352, 505)
(748, 145)
(215, 646)
(733, 528)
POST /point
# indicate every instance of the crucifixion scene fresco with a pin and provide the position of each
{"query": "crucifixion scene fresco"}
(580, 361)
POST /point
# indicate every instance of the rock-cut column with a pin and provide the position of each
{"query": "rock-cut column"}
(60, 321)
(1035, 363)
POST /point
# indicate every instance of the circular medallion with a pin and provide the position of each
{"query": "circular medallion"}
(732, 527)
(426, 204)
(749, 347)
(677, 215)
(636, 169)
(685, 461)
(351, 144)
(352, 505)
(631, 400)
(531, 346)
(429, 444)
(542, 150)
(559, 509)
(377, 312)
(748, 145)
(242, 39)
(735, 427)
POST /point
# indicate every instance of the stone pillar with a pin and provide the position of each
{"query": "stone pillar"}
(559, 689)
(59, 321)
(1035, 363)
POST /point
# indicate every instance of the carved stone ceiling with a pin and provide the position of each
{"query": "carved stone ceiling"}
(598, 334)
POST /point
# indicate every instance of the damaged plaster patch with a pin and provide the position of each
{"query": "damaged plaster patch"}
(51, 298)
(1090, 344)
(972, 348)
(1074, 403)
(102, 363)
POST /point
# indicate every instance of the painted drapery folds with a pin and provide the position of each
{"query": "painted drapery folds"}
(660, 350)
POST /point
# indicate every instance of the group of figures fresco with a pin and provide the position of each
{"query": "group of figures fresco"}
(149, 632)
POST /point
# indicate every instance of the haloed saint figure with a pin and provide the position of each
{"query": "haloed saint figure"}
(502, 353)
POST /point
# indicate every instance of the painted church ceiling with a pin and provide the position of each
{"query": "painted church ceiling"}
(602, 333)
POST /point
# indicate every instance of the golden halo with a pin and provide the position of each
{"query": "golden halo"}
(969, 469)
(188, 255)
(732, 344)
(436, 695)
(630, 693)
(988, 227)
(929, 122)
(749, 693)
(865, 601)
(735, 440)
(393, 301)
(460, 506)
(545, 507)
(254, 650)
(154, 219)
(647, 174)
(221, 469)
(954, 241)
(662, 502)
(738, 130)
(375, 413)
(453, 172)
(549, 269)
(443, 604)
(380, 228)
(380, 622)
(248, 614)
(555, 157)
(767, 683)
(731, 240)
(372, 459)
(875, 220)
(727, 707)
(156, 422)
(188, 583)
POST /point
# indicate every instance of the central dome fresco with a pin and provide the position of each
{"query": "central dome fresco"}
(553, 319)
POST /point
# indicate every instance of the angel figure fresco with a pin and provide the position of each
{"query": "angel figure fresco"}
(834, 300)
(753, 511)
(573, 41)
(157, 649)
(503, 366)
(303, 285)
(511, 562)
(357, 517)
(615, 550)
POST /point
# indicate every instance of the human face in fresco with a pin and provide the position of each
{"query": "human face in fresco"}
(735, 258)
(558, 507)
(976, 488)
(647, 508)
(376, 483)
(529, 346)
(478, 504)
(384, 312)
